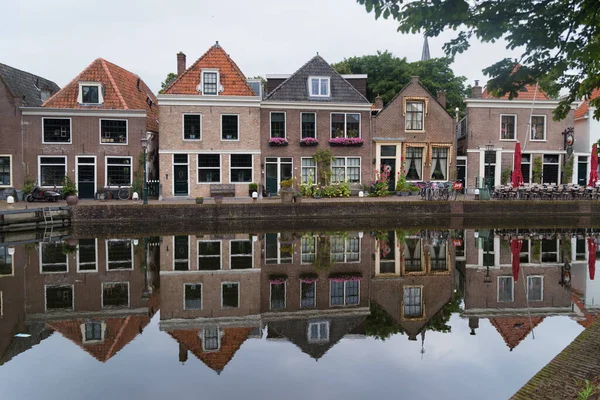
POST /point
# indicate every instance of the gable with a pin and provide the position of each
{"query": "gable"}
(295, 88)
(528, 92)
(26, 86)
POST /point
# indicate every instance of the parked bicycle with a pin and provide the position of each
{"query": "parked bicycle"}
(121, 193)
(440, 190)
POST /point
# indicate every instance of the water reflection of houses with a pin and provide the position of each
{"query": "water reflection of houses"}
(93, 292)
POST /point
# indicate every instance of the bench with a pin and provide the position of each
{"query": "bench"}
(225, 190)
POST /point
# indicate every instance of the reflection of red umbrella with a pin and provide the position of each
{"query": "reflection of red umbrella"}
(592, 257)
(594, 166)
(515, 249)
(517, 175)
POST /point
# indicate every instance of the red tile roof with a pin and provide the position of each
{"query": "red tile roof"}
(514, 329)
(527, 93)
(121, 92)
(585, 106)
(230, 76)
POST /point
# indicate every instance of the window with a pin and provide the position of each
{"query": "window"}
(86, 255)
(413, 261)
(210, 83)
(538, 127)
(488, 252)
(345, 125)
(318, 332)
(5, 173)
(53, 171)
(278, 296)
(308, 249)
(209, 168)
(309, 170)
(535, 288)
(345, 169)
(211, 339)
(229, 127)
(318, 86)
(115, 294)
(256, 86)
(118, 171)
(192, 126)
(414, 116)
(6, 263)
(414, 163)
(308, 128)
(439, 160)
(438, 257)
(93, 331)
(277, 125)
(240, 252)
(413, 305)
(181, 253)
(240, 168)
(119, 254)
(275, 253)
(345, 249)
(549, 250)
(505, 289)
(580, 252)
(57, 130)
(308, 293)
(524, 254)
(508, 127)
(59, 297)
(344, 293)
(192, 297)
(230, 295)
(526, 167)
(550, 169)
(52, 258)
(209, 255)
(90, 94)
(113, 131)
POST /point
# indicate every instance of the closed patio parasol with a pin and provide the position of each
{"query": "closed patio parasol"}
(517, 174)
(592, 257)
(515, 249)
(594, 166)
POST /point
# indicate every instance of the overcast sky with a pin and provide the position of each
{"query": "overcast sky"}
(57, 39)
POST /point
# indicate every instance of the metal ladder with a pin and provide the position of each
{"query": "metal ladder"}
(48, 217)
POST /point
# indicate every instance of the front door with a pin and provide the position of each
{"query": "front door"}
(390, 165)
(582, 170)
(180, 174)
(271, 183)
(86, 177)
(461, 172)
(277, 169)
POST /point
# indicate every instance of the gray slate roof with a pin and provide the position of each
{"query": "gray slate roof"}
(26, 86)
(295, 88)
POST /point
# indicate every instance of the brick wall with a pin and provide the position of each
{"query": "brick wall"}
(10, 135)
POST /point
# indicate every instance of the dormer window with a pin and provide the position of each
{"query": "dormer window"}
(318, 86)
(90, 93)
(210, 83)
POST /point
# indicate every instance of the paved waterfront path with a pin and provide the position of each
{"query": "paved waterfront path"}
(565, 375)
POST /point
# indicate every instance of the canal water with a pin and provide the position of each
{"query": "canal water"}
(405, 313)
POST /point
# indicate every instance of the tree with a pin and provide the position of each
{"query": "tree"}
(388, 74)
(171, 76)
(380, 325)
(560, 40)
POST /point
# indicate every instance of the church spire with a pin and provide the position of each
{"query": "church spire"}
(425, 54)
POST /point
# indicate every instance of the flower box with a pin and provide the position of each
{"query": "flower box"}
(278, 142)
(307, 142)
(346, 142)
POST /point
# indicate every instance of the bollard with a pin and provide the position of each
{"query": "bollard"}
(11, 202)
(135, 196)
(476, 194)
(254, 197)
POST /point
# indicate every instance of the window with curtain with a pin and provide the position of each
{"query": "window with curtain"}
(505, 288)
(412, 302)
(535, 288)
(414, 115)
(538, 131)
(414, 163)
(307, 294)
(345, 169)
(240, 168)
(439, 162)
(277, 296)
(508, 126)
(412, 255)
(209, 168)
(309, 170)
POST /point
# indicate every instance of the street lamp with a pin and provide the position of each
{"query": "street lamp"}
(144, 141)
(489, 150)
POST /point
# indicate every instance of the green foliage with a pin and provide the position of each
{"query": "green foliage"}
(323, 257)
(287, 184)
(171, 76)
(252, 187)
(588, 391)
(565, 248)
(69, 188)
(558, 40)
(380, 325)
(323, 158)
(438, 323)
(388, 74)
(28, 185)
(380, 187)
(568, 170)
(68, 249)
(537, 169)
(504, 178)
(138, 176)
(402, 185)
(334, 190)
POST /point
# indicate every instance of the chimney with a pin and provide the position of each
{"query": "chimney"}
(441, 97)
(378, 102)
(476, 91)
(180, 63)
(183, 351)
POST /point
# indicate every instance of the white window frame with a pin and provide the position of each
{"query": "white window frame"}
(320, 339)
(189, 245)
(315, 114)
(346, 169)
(531, 127)
(541, 277)
(220, 334)
(70, 131)
(10, 170)
(40, 251)
(201, 296)
(12, 262)
(279, 258)
(314, 168)
(284, 123)
(284, 295)
(106, 241)
(210, 71)
(315, 299)
(102, 332)
(100, 93)
(198, 256)
(345, 304)
(57, 286)
(251, 169)
(95, 261)
(238, 128)
(199, 168)
(558, 255)
(498, 290)
(346, 123)
(106, 171)
(231, 255)
(421, 305)
(302, 253)
(529, 164)
(259, 81)
(1, 305)
(423, 113)
(515, 127)
(112, 143)
(40, 168)
(320, 79)
(113, 283)
(238, 291)
(448, 160)
(346, 239)
(183, 115)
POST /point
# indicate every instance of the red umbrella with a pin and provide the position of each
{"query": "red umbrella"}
(515, 249)
(592, 257)
(517, 175)
(594, 166)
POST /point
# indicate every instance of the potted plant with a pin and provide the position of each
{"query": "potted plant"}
(199, 200)
(68, 248)
(402, 187)
(287, 195)
(414, 190)
(218, 199)
(28, 186)
(69, 191)
(252, 187)
(309, 141)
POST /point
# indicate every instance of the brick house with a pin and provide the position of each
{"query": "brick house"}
(17, 89)
(210, 132)
(91, 130)
(415, 133)
(315, 102)
(499, 123)
(587, 132)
